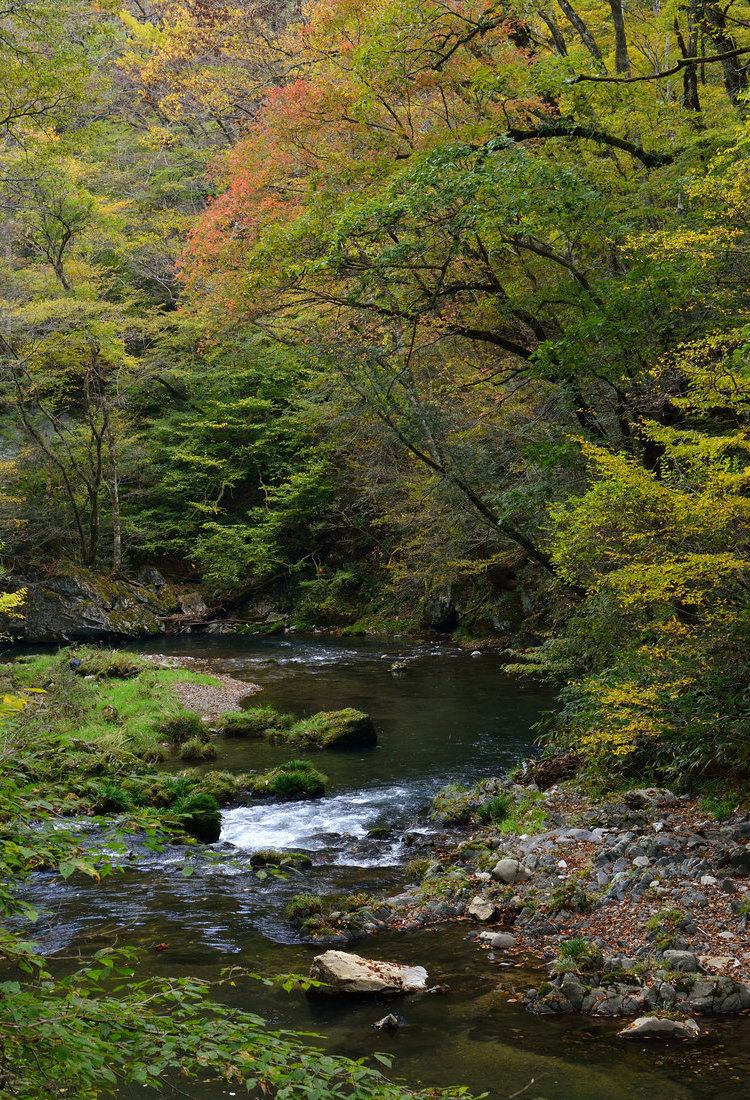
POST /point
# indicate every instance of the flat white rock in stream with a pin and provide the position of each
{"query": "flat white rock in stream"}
(346, 973)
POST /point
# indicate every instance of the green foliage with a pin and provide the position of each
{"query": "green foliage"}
(663, 927)
(198, 815)
(494, 810)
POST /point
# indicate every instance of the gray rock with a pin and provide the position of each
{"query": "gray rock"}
(342, 972)
(660, 1027)
(683, 961)
(693, 898)
(388, 1023)
(502, 941)
(83, 605)
(482, 910)
(510, 871)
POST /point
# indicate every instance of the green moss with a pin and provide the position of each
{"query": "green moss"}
(223, 786)
(108, 796)
(285, 860)
(199, 816)
(663, 927)
(495, 809)
(334, 729)
(254, 722)
(453, 805)
(295, 780)
(182, 727)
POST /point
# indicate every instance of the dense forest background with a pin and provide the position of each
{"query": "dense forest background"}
(367, 307)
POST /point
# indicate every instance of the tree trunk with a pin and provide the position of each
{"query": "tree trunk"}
(622, 60)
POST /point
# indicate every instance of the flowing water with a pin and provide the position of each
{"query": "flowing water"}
(449, 718)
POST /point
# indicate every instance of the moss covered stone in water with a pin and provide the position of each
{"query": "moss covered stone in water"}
(293, 781)
(254, 722)
(334, 729)
(271, 858)
(196, 749)
(199, 816)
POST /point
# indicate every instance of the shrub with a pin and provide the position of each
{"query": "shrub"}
(110, 798)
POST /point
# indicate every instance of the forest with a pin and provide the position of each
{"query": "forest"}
(359, 309)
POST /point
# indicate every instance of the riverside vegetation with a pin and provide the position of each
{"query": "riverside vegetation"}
(414, 313)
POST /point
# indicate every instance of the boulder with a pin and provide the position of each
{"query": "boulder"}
(683, 961)
(82, 605)
(510, 871)
(501, 941)
(660, 1027)
(439, 612)
(342, 972)
(482, 910)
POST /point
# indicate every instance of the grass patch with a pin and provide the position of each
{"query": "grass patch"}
(118, 715)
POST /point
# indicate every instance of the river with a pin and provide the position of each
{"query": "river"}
(450, 717)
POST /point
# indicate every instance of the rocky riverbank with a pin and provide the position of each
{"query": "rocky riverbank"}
(637, 904)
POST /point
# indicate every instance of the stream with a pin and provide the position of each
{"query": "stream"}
(448, 718)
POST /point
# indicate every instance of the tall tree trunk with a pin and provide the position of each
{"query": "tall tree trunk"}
(114, 494)
(582, 31)
(713, 22)
(690, 99)
(622, 60)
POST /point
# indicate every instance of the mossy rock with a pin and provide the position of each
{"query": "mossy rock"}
(254, 722)
(272, 858)
(454, 805)
(294, 781)
(223, 786)
(199, 816)
(336, 729)
(304, 906)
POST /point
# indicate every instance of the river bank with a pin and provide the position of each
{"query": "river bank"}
(636, 904)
